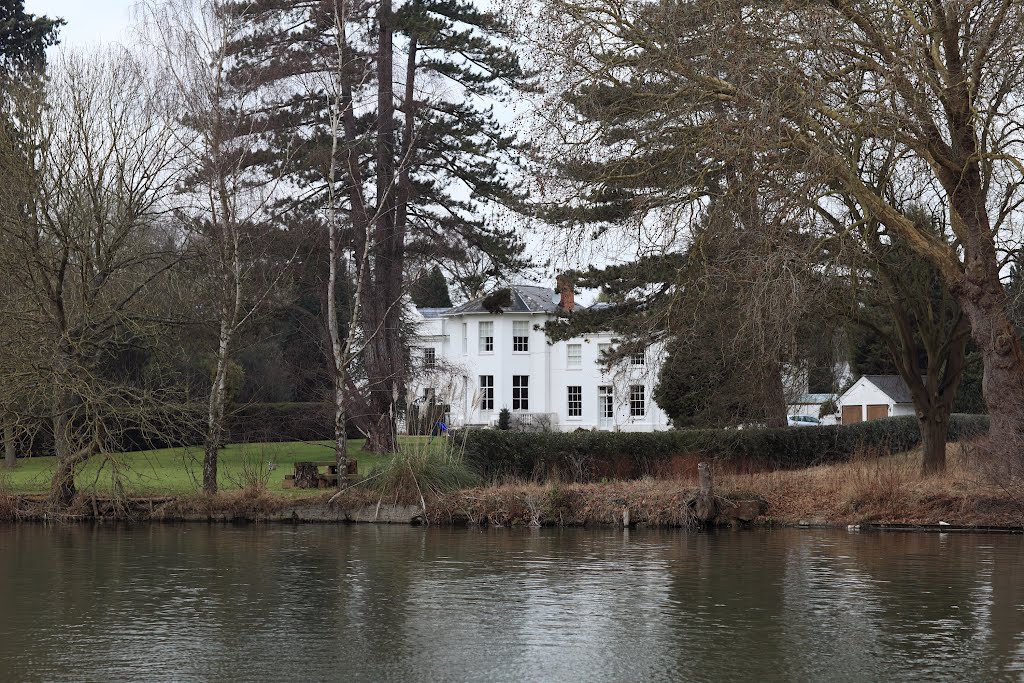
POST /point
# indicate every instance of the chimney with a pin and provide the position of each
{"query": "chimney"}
(567, 297)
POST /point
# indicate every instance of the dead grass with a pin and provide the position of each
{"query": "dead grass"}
(878, 488)
(872, 487)
(649, 501)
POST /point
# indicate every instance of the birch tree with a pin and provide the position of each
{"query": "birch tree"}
(225, 199)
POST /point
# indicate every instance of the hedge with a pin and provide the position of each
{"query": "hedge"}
(250, 423)
(582, 455)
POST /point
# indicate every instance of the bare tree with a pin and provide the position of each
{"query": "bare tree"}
(84, 241)
(226, 197)
(818, 94)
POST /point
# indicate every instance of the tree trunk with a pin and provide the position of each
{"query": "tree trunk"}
(215, 412)
(776, 406)
(384, 355)
(10, 447)
(983, 300)
(340, 434)
(62, 485)
(934, 431)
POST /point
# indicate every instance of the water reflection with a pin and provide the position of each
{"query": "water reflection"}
(377, 603)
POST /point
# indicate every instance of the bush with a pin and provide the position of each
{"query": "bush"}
(585, 456)
(504, 420)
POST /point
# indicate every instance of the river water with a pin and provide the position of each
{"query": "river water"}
(377, 603)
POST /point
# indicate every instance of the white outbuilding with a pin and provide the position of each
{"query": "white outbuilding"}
(876, 396)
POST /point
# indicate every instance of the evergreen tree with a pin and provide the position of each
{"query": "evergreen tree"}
(431, 290)
(419, 155)
(24, 38)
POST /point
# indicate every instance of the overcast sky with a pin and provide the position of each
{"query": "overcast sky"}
(92, 22)
(88, 21)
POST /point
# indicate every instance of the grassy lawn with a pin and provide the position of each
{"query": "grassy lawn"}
(172, 471)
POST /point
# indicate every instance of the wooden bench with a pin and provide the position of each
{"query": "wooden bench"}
(313, 474)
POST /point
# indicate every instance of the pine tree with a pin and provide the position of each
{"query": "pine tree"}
(24, 38)
(431, 290)
(419, 155)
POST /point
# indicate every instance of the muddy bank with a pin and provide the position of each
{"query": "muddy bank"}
(644, 503)
(631, 504)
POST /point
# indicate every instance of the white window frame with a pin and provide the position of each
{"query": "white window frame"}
(520, 342)
(465, 338)
(574, 401)
(486, 393)
(429, 358)
(569, 357)
(638, 359)
(520, 393)
(485, 331)
(637, 400)
(606, 408)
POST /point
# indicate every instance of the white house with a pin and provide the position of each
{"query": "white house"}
(875, 396)
(486, 355)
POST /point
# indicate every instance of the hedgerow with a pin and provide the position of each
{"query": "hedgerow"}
(584, 455)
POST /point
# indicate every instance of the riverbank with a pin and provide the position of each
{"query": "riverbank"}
(880, 490)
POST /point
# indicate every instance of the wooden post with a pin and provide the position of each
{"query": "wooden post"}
(706, 507)
(706, 482)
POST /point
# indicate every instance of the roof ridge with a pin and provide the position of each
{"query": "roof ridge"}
(515, 290)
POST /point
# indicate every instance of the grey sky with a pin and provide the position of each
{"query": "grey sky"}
(88, 21)
(91, 22)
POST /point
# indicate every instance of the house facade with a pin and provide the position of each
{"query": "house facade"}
(487, 355)
(876, 396)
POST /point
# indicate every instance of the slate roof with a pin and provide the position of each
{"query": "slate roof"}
(525, 299)
(892, 386)
(814, 399)
(432, 312)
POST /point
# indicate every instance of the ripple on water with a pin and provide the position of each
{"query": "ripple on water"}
(361, 603)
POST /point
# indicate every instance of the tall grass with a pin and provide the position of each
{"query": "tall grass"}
(421, 470)
(873, 486)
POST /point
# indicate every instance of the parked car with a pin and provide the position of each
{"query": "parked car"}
(802, 421)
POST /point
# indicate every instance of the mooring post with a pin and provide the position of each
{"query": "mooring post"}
(706, 508)
(706, 482)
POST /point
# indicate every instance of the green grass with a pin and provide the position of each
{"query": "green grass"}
(175, 471)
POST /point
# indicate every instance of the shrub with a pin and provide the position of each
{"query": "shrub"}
(410, 476)
(504, 419)
(586, 456)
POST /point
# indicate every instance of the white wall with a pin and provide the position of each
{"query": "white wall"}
(547, 367)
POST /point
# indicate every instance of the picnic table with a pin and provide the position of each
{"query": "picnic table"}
(318, 474)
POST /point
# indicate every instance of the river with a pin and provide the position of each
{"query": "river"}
(196, 602)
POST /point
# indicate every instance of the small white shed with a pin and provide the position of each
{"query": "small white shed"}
(810, 405)
(876, 396)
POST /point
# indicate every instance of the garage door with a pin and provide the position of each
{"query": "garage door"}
(875, 412)
(852, 414)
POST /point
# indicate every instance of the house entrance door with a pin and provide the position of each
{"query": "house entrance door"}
(605, 408)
